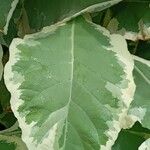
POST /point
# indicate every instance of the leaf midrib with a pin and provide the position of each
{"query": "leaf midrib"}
(71, 80)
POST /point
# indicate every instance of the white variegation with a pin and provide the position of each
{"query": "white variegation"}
(126, 96)
(14, 57)
(145, 145)
(13, 88)
(137, 113)
(141, 35)
(126, 61)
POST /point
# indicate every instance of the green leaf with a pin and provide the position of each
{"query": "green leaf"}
(62, 93)
(1, 65)
(140, 48)
(4, 96)
(13, 130)
(14, 24)
(131, 139)
(143, 50)
(131, 19)
(140, 107)
(10, 139)
(7, 8)
(7, 119)
(38, 15)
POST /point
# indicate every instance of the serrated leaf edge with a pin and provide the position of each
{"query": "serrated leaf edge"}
(122, 55)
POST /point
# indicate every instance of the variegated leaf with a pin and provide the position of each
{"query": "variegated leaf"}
(140, 107)
(71, 86)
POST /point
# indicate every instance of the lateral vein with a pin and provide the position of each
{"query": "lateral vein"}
(142, 74)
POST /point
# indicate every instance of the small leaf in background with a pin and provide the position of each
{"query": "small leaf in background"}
(140, 48)
(13, 29)
(131, 19)
(131, 139)
(97, 17)
(7, 118)
(7, 8)
(4, 96)
(62, 93)
(38, 14)
(4, 93)
(10, 139)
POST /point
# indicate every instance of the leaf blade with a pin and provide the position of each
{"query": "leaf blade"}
(74, 73)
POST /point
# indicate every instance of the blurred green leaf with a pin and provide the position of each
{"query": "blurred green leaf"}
(13, 26)
(131, 139)
(7, 8)
(131, 19)
(45, 13)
